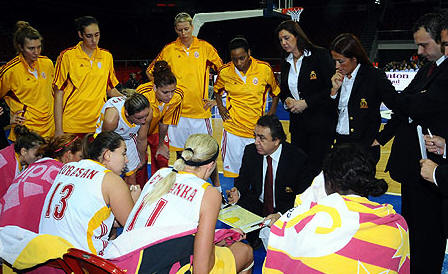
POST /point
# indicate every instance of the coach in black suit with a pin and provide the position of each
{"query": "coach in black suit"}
(288, 170)
(305, 88)
(358, 90)
(423, 103)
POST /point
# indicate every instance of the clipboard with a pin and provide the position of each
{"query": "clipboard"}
(238, 217)
(421, 141)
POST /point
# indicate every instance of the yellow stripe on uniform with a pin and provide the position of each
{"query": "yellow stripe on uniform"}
(345, 265)
(383, 235)
(139, 261)
(40, 249)
(94, 223)
(230, 174)
(205, 185)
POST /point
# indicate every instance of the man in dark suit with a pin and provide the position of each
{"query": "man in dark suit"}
(423, 103)
(260, 188)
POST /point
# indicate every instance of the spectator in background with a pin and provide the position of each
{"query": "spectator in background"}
(25, 83)
(132, 83)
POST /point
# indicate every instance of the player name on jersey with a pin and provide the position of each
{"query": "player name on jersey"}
(183, 191)
(69, 170)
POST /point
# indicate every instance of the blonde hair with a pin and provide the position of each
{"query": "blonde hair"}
(183, 17)
(199, 148)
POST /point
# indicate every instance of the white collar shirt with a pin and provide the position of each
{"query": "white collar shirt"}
(343, 126)
(294, 71)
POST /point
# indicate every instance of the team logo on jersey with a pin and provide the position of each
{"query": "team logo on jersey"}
(255, 81)
(363, 103)
(44, 75)
(98, 64)
(196, 54)
(313, 75)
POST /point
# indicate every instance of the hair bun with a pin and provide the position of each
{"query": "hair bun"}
(22, 24)
(161, 66)
(20, 130)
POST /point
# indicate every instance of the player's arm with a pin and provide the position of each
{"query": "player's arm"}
(58, 98)
(274, 91)
(204, 250)
(112, 82)
(274, 105)
(221, 108)
(218, 88)
(142, 141)
(163, 149)
(116, 194)
(111, 117)
(113, 92)
(62, 71)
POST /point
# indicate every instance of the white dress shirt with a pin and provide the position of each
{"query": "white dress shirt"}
(294, 70)
(275, 158)
(343, 126)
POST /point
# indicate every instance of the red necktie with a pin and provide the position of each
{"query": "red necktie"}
(268, 205)
(431, 69)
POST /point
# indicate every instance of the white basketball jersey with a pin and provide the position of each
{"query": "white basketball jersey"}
(74, 208)
(180, 206)
(125, 129)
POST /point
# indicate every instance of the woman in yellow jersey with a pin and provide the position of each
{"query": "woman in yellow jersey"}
(14, 158)
(25, 83)
(166, 103)
(84, 77)
(190, 59)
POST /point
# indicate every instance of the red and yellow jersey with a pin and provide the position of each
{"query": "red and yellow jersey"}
(29, 89)
(191, 67)
(85, 82)
(166, 113)
(246, 95)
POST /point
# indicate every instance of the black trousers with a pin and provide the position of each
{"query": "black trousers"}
(423, 208)
(316, 146)
(374, 152)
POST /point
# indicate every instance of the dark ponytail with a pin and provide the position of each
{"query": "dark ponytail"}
(349, 168)
(163, 75)
(94, 145)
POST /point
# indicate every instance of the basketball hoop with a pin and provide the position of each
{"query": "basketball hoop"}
(294, 12)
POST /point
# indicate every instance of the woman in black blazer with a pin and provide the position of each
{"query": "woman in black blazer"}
(305, 92)
(358, 89)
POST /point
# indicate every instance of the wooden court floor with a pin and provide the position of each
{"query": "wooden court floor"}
(394, 187)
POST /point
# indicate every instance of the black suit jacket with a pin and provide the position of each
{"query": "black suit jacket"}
(371, 87)
(314, 86)
(425, 101)
(442, 178)
(289, 179)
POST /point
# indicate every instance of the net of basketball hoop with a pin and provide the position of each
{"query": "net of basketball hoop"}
(294, 12)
